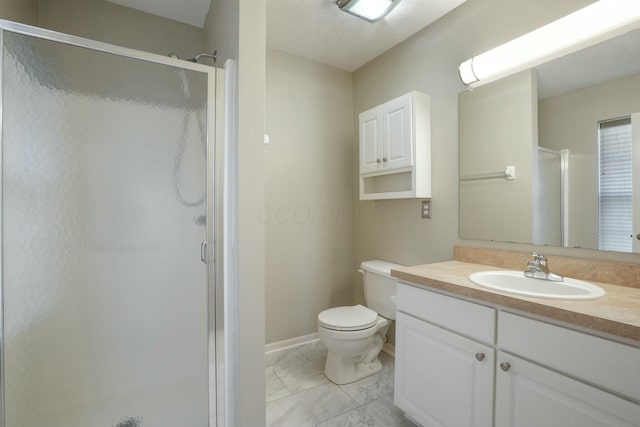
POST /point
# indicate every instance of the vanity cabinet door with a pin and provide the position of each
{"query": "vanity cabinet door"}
(442, 379)
(528, 395)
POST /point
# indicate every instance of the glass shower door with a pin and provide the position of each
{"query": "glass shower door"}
(104, 208)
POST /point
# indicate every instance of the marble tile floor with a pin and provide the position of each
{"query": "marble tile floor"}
(299, 395)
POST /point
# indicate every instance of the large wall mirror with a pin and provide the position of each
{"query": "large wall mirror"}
(551, 155)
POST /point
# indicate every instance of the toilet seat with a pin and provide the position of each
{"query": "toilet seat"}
(349, 318)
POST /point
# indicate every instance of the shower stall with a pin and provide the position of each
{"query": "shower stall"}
(551, 197)
(110, 301)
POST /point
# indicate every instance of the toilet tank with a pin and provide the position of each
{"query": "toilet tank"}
(380, 287)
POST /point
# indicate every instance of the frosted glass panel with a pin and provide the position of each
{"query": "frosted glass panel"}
(547, 206)
(103, 213)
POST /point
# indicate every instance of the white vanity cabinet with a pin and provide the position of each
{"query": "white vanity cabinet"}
(531, 395)
(533, 373)
(443, 378)
(576, 380)
(395, 149)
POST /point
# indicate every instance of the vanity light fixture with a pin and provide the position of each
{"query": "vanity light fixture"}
(369, 10)
(588, 26)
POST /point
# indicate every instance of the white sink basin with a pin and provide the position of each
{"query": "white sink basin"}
(515, 282)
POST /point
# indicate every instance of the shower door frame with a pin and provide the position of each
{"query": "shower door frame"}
(210, 252)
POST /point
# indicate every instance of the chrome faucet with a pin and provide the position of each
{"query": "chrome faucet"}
(539, 269)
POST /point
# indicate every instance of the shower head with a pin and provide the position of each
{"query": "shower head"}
(196, 58)
(213, 56)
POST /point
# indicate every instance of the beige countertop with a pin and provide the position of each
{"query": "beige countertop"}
(616, 313)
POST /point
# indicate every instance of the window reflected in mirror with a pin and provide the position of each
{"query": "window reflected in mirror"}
(615, 195)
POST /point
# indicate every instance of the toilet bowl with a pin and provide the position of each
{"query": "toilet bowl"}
(354, 335)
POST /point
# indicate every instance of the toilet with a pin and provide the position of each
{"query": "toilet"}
(354, 335)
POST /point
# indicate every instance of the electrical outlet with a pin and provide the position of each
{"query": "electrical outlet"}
(426, 209)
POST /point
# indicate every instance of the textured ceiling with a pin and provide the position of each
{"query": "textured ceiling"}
(612, 59)
(316, 29)
(192, 12)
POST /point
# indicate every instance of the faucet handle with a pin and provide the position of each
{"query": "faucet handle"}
(538, 256)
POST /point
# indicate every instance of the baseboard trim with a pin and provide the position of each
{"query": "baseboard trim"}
(292, 342)
(387, 348)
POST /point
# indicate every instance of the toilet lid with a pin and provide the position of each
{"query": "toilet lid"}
(351, 318)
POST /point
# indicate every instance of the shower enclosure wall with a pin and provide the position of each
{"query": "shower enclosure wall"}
(108, 284)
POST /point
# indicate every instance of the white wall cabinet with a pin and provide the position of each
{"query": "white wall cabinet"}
(449, 358)
(395, 149)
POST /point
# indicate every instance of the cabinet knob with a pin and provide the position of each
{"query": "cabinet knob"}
(384, 159)
(480, 356)
(377, 160)
(505, 366)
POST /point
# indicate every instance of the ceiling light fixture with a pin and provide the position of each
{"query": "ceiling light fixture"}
(588, 26)
(369, 10)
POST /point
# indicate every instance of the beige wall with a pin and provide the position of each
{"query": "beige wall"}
(251, 129)
(308, 215)
(428, 61)
(221, 29)
(122, 26)
(498, 129)
(22, 11)
(570, 121)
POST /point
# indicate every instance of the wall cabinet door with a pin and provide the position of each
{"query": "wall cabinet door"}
(371, 141)
(398, 133)
(442, 379)
(528, 395)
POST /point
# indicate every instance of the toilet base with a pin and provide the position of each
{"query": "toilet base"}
(353, 355)
(345, 370)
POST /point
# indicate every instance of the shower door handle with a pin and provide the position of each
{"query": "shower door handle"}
(203, 251)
